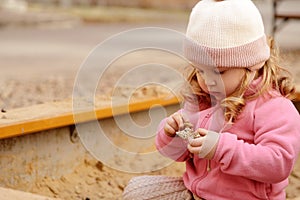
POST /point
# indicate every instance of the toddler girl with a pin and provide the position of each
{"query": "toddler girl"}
(241, 130)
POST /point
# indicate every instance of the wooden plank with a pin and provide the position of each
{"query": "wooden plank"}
(6, 193)
(59, 114)
(288, 15)
(280, 18)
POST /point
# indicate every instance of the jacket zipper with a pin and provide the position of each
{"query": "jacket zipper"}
(193, 186)
(208, 164)
(208, 167)
(203, 123)
(207, 116)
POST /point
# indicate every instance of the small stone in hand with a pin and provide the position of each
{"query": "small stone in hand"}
(187, 132)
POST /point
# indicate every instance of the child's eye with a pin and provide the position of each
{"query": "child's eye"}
(219, 72)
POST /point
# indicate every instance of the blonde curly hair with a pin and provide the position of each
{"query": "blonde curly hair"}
(273, 76)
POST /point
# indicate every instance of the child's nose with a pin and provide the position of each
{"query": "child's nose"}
(210, 82)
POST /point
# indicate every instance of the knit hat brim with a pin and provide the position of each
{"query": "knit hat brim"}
(244, 56)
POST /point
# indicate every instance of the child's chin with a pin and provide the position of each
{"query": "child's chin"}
(217, 95)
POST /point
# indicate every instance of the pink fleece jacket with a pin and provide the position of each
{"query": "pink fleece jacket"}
(254, 157)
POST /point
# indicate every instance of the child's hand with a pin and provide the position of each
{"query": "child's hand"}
(205, 145)
(173, 124)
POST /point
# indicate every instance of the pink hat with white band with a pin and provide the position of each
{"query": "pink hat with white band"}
(228, 33)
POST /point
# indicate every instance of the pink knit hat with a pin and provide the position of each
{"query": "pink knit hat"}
(228, 33)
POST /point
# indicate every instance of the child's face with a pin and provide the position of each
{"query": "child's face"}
(219, 82)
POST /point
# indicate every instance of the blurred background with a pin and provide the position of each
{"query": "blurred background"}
(44, 42)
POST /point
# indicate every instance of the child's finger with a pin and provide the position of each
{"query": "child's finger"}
(179, 120)
(202, 132)
(168, 129)
(184, 117)
(172, 123)
(194, 150)
(197, 142)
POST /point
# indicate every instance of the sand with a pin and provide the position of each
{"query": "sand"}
(93, 180)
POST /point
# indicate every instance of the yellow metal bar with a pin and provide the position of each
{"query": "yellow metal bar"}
(61, 115)
(58, 118)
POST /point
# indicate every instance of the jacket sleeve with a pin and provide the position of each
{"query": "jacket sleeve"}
(271, 158)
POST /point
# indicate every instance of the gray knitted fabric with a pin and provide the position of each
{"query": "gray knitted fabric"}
(156, 188)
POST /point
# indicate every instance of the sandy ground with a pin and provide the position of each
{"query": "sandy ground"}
(40, 65)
